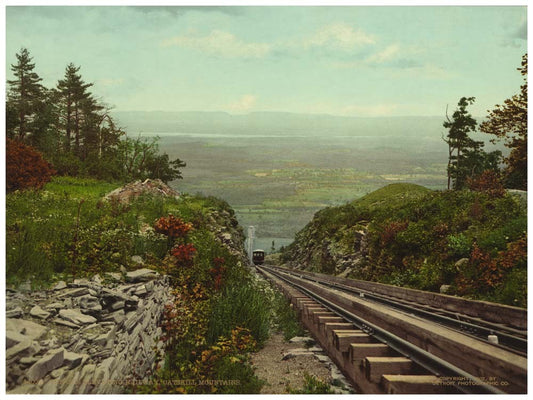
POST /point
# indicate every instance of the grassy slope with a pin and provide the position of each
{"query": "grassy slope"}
(407, 235)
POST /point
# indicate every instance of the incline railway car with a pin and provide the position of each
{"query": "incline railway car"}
(258, 257)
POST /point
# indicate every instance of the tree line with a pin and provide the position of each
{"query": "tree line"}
(469, 164)
(75, 131)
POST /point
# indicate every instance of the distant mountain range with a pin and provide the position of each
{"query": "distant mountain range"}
(135, 122)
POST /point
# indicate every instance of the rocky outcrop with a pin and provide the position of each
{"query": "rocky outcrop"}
(88, 336)
(135, 189)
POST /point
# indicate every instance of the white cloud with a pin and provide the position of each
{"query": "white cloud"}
(339, 35)
(386, 55)
(220, 43)
(245, 103)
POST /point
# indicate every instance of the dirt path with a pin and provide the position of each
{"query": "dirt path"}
(283, 365)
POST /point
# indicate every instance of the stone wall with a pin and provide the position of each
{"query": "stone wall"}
(86, 336)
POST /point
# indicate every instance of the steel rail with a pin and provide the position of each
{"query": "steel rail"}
(426, 360)
(475, 329)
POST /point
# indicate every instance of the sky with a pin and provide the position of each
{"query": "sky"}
(356, 61)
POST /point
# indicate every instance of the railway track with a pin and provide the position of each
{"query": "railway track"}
(384, 345)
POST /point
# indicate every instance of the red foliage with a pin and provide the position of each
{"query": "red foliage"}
(217, 272)
(184, 254)
(25, 167)
(488, 182)
(172, 226)
(390, 231)
(490, 271)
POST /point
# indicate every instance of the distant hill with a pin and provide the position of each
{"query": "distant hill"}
(259, 123)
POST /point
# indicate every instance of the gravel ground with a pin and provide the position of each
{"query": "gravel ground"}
(282, 365)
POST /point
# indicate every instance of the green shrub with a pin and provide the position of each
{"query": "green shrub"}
(243, 305)
(459, 245)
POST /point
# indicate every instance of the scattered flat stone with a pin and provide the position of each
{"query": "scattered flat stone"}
(76, 317)
(118, 305)
(51, 387)
(58, 373)
(46, 364)
(26, 388)
(90, 304)
(31, 330)
(13, 338)
(55, 306)
(38, 312)
(116, 276)
(75, 292)
(301, 339)
(72, 360)
(97, 279)
(141, 275)
(28, 360)
(64, 322)
(60, 285)
(17, 312)
(80, 283)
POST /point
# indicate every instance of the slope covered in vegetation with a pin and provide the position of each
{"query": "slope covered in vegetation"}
(407, 235)
(220, 312)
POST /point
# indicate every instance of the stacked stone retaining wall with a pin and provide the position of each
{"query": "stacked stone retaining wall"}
(86, 337)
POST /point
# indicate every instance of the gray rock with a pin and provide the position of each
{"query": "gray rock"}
(80, 283)
(55, 306)
(141, 291)
(72, 360)
(141, 275)
(27, 388)
(28, 360)
(31, 330)
(46, 364)
(60, 285)
(461, 263)
(90, 304)
(114, 276)
(301, 339)
(76, 317)
(38, 312)
(58, 373)
(17, 345)
(80, 291)
(17, 312)
(63, 322)
(97, 279)
(51, 387)
(444, 289)
(137, 260)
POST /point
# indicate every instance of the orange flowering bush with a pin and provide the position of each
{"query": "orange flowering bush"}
(173, 227)
(184, 254)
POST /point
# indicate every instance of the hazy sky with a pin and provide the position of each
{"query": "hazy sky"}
(355, 61)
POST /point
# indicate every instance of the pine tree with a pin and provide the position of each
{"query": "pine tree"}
(466, 157)
(73, 94)
(24, 97)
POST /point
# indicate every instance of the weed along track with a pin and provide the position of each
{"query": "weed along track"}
(385, 349)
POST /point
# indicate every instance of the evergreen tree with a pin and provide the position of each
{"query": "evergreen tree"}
(73, 93)
(509, 122)
(466, 157)
(23, 98)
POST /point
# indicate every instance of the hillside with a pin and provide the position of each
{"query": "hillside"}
(408, 235)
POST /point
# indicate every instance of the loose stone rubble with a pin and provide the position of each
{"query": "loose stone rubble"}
(85, 337)
(137, 188)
